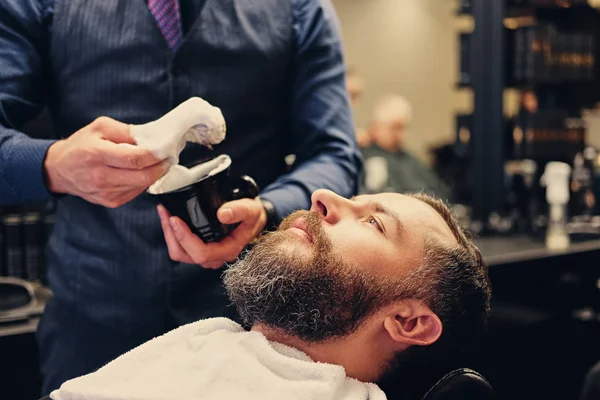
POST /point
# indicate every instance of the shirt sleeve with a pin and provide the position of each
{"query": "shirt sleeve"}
(321, 126)
(22, 41)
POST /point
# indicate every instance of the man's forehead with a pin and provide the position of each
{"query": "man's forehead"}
(395, 201)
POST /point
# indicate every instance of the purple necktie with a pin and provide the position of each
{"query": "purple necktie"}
(168, 18)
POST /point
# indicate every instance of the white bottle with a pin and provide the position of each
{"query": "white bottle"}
(556, 179)
(376, 174)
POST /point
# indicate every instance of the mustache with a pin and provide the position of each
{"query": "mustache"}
(313, 225)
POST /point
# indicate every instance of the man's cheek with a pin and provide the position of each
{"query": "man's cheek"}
(354, 246)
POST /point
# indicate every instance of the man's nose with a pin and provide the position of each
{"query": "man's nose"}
(328, 205)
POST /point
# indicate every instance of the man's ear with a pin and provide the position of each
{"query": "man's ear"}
(411, 322)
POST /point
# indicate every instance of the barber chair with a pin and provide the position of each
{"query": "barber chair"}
(461, 384)
(454, 384)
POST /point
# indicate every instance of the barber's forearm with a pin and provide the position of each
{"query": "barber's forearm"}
(286, 198)
(321, 128)
(292, 191)
(22, 172)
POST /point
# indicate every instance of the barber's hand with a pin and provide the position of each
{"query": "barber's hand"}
(186, 247)
(101, 164)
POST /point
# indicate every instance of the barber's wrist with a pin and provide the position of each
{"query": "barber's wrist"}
(273, 219)
(51, 176)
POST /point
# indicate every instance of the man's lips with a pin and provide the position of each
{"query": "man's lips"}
(300, 229)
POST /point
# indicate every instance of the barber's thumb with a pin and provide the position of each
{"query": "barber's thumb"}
(233, 212)
(227, 215)
(115, 131)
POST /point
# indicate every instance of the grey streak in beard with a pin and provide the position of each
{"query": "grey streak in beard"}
(313, 297)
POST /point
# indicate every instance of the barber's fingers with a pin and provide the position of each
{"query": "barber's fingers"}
(125, 155)
(139, 178)
(116, 197)
(191, 244)
(248, 213)
(231, 246)
(213, 265)
(112, 184)
(181, 240)
(206, 254)
(176, 252)
(129, 195)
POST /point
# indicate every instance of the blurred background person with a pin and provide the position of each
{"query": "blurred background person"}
(388, 165)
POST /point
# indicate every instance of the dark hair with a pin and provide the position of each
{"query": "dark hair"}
(461, 290)
(452, 281)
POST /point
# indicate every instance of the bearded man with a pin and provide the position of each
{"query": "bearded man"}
(334, 300)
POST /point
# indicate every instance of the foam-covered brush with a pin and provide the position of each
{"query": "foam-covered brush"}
(195, 120)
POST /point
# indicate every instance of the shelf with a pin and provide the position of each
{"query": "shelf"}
(493, 53)
(562, 85)
(520, 12)
(530, 9)
(515, 249)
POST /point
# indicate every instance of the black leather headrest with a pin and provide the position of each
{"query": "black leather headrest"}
(461, 384)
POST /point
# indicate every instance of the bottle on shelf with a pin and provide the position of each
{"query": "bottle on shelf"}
(556, 180)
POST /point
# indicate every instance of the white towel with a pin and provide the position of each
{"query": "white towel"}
(180, 176)
(216, 359)
(376, 174)
(194, 120)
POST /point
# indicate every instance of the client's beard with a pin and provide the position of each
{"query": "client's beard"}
(313, 297)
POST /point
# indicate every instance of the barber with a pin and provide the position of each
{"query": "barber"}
(275, 69)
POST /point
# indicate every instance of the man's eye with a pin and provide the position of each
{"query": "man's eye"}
(373, 221)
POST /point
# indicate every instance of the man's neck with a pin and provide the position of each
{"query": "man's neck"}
(353, 352)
